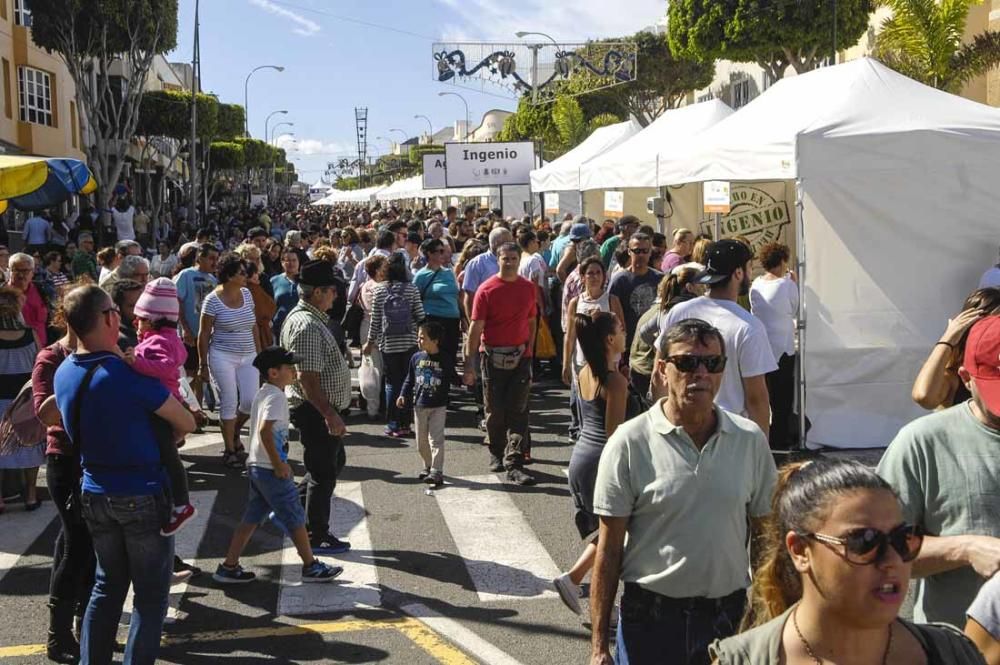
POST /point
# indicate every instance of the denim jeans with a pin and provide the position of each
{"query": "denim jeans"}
(324, 458)
(396, 365)
(655, 629)
(73, 559)
(130, 549)
(506, 393)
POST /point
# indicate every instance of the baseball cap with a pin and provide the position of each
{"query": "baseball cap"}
(274, 356)
(982, 360)
(580, 231)
(722, 259)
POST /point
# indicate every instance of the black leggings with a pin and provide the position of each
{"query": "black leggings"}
(73, 560)
(170, 458)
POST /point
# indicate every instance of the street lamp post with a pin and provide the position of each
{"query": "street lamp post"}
(430, 127)
(274, 130)
(534, 58)
(455, 94)
(267, 181)
(246, 99)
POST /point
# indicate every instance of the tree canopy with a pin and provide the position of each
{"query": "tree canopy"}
(775, 35)
(100, 27)
(167, 113)
(226, 156)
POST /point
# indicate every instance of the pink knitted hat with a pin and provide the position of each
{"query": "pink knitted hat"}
(158, 301)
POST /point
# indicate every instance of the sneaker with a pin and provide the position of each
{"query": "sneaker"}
(179, 517)
(181, 565)
(434, 479)
(424, 474)
(569, 593)
(231, 460)
(519, 477)
(329, 545)
(317, 571)
(179, 576)
(234, 575)
(276, 521)
(404, 432)
(496, 464)
(482, 425)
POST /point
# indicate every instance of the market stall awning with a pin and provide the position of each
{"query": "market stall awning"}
(563, 174)
(32, 183)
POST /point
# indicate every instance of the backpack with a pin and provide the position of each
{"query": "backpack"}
(398, 317)
(19, 426)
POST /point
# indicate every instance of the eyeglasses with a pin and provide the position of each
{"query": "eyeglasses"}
(690, 362)
(639, 250)
(113, 308)
(863, 547)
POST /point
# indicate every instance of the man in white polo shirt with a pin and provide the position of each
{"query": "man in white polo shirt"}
(744, 383)
(680, 481)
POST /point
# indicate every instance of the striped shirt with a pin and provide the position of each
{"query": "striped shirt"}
(233, 328)
(376, 333)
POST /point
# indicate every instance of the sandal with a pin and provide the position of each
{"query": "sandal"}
(231, 460)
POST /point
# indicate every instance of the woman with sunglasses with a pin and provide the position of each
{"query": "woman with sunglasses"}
(834, 571)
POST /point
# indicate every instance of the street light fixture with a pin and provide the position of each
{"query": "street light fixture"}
(267, 120)
(430, 127)
(442, 94)
(274, 129)
(246, 100)
(520, 34)
(534, 57)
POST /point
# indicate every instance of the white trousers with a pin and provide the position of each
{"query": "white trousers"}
(235, 380)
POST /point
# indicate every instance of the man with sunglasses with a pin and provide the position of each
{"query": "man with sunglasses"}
(727, 274)
(636, 286)
(946, 468)
(681, 481)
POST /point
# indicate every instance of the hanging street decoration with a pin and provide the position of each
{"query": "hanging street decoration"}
(539, 71)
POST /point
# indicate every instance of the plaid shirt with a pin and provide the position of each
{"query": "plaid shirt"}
(305, 333)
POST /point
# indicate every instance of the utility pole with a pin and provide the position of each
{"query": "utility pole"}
(195, 80)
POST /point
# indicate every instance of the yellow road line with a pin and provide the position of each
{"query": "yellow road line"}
(415, 630)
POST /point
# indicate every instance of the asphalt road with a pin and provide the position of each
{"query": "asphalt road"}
(457, 575)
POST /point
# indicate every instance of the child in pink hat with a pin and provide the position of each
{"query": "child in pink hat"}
(160, 354)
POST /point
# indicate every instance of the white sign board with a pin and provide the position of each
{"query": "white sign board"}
(716, 196)
(614, 204)
(551, 203)
(485, 164)
(434, 171)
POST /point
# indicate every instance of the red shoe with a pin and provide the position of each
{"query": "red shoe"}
(179, 516)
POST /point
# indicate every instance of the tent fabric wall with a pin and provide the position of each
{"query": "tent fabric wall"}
(563, 174)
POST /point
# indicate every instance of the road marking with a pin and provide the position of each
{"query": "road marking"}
(357, 587)
(20, 530)
(504, 557)
(419, 633)
(186, 547)
(460, 635)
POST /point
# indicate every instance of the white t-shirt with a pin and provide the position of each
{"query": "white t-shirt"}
(269, 403)
(990, 278)
(533, 268)
(747, 346)
(776, 303)
(123, 223)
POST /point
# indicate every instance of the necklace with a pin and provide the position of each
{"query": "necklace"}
(812, 654)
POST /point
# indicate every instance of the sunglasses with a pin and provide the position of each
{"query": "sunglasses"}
(638, 250)
(690, 362)
(113, 308)
(866, 546)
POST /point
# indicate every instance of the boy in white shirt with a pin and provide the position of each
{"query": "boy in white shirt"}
(272, 484)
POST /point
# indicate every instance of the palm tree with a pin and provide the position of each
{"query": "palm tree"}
(923, 40)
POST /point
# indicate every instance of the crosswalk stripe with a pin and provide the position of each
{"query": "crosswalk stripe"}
(504, 557)
(357, 587)
(186, 547)
(20, 530)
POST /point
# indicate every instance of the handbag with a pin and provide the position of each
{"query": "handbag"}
(20, 426)
(352, 319)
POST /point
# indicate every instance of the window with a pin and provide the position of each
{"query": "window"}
(706, 97)
(7, 111)
(741, 93)
(22, 13)
(35, 95)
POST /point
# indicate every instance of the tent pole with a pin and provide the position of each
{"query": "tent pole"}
(800, 328)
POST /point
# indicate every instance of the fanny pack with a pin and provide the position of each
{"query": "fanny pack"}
(505, 357)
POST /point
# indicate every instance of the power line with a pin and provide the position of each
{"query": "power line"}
(349, 19)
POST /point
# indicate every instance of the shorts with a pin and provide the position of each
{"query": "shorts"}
(267, 493)
(191, 363)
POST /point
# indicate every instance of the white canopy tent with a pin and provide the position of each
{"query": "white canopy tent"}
(633, 162)
(897, 210)
(405, 188)
(366, 195)
(563, 174)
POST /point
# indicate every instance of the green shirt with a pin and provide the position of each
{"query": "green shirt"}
(687, 509)
(609, 248)
(946, 468)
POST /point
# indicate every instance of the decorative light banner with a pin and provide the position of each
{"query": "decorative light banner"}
(540, 71)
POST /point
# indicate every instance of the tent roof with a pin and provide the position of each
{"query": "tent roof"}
(633, 163)
(858, 98)
(319, 184)
(564, 173)
(404, 188)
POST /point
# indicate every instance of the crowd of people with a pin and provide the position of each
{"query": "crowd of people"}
(681, 373)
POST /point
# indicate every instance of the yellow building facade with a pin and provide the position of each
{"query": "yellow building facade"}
(38, 107)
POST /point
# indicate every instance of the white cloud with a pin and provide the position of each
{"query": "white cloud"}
(306, 27)
(498, 20)
(311, 146)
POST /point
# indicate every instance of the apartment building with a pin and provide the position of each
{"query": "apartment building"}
(38, 108)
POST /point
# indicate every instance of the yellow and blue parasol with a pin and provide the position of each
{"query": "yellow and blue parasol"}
(33, 183)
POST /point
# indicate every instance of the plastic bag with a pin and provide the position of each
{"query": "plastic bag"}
(370, 380)
(545, 346)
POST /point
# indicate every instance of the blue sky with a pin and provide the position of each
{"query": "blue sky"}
(339, 54)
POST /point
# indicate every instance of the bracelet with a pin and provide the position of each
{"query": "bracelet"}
(948, 344)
